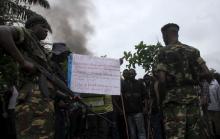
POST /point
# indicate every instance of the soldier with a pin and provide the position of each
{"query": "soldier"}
(8, 81)
(179, 68)
(35, 114)
(59, 64)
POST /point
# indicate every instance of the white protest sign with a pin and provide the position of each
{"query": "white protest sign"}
(94, 75)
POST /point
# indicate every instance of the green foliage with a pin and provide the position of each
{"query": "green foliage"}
(16, 11)
(143, 56)
(43, 3)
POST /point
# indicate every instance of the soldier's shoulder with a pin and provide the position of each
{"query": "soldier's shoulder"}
(18, 28)
(4, 27)
(191, 48)
(163, 50)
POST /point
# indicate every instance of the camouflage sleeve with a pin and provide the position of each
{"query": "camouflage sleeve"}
(198, 58)
(160, 64)
(204, 88)
(19, 34)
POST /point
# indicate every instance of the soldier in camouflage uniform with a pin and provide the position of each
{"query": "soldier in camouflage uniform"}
(35, 119)
(59, 63)
(178, 69)
(9, 80)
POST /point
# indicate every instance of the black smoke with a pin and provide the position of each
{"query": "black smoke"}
(70, 23)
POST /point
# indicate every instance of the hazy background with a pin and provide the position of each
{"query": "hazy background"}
(110, 27)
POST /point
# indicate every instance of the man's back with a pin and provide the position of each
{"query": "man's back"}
(178, 68)
(182, 71)
(179, 61)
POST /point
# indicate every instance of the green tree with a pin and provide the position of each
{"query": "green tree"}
(144, 56)
(12, 11)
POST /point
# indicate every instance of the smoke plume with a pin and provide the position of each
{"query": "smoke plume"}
(70, 23)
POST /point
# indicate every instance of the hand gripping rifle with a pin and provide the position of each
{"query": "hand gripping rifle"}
(64, 91)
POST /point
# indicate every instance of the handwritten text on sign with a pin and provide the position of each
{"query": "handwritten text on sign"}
(94, 75)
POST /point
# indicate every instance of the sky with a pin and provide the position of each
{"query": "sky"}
(118, 25)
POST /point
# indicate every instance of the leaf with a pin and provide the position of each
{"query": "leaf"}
(144, 56)
(43, 3)
(13, 11)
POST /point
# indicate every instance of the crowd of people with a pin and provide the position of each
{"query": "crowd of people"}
(179, 99)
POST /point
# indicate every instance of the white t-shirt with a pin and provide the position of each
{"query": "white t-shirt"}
(214, 93)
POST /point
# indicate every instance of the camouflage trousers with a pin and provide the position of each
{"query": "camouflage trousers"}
(35, 119)
(183, 121)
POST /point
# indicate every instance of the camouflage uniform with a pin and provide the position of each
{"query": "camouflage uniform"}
(182, 118)
(35, 115)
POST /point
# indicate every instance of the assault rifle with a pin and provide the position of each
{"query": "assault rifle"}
(64, 91)
(57, 82)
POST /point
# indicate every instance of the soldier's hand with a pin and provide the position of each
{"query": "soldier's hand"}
(77, 97)
(28, 66)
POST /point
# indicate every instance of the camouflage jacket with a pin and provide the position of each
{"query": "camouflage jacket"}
(9, 68)
(182, 65)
